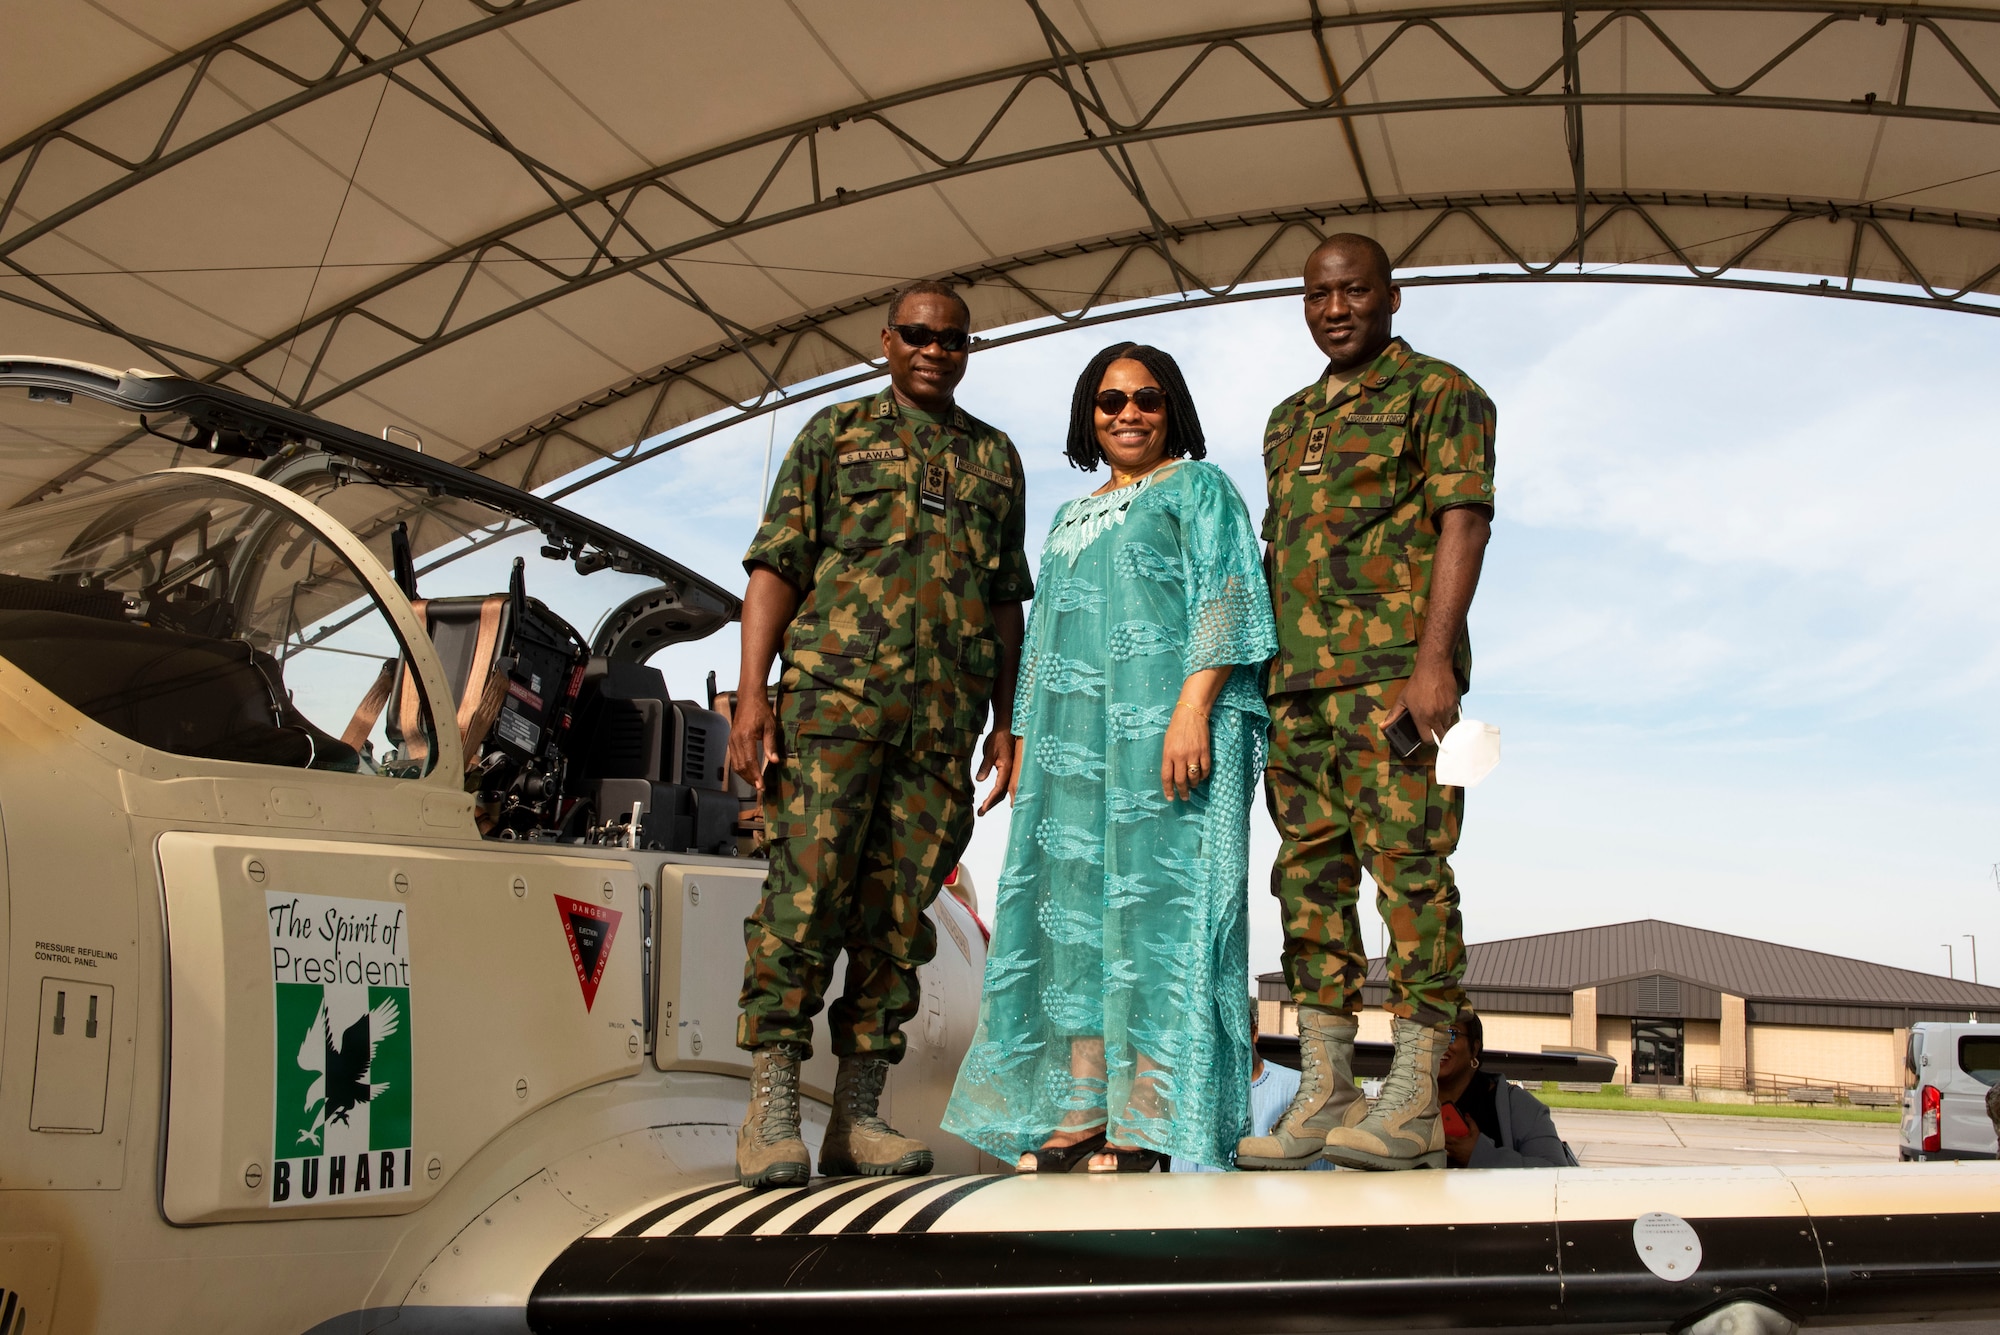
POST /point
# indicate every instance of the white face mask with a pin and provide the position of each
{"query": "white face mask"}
(1468, 753)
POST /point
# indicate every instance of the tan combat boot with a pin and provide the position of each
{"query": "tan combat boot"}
(1403, 1129)
(769, 1152)
(1327, 1096)
(859, 1141)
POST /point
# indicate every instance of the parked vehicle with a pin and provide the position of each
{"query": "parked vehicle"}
(1947, 1070)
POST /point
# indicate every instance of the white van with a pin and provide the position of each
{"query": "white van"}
(1946, 1074)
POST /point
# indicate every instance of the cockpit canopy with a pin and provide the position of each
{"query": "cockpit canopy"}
(159, 574)
(197, 615)
(67, 428)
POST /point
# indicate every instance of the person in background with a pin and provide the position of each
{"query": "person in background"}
(1489, 1123)
(1271, 1090)
(1993, 1110)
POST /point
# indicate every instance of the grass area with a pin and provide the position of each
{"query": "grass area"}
(1622, 1103)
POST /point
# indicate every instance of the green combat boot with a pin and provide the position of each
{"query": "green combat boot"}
(1403, 1129)
(1327, 1096)
(769, 1152)
(859, 1141)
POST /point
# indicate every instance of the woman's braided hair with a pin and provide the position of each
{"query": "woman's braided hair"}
(1184, 438)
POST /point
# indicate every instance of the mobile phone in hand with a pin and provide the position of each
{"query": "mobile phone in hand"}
(1402, 735)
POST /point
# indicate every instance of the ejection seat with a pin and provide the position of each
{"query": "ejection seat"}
(513, 667)
(468, 634)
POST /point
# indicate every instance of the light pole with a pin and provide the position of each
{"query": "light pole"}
(1975, 955)
(1950, 965)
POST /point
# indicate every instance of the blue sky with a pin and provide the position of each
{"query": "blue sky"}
(1740, 620)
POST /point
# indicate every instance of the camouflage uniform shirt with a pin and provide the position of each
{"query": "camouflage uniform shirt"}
(1356, 485)
(901, 532)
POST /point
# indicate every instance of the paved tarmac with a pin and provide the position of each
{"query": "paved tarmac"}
(1603, 1139)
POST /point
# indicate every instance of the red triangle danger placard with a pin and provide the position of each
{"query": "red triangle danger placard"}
(590, 930)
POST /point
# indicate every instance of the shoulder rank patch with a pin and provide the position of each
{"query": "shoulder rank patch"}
(966, 466)
(871, 456)
(1379, 419)
(1315, 451)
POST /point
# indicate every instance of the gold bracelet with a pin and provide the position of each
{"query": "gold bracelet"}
(1182, 704)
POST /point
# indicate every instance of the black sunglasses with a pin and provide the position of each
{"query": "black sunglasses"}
(1111, 402)
(922, 336)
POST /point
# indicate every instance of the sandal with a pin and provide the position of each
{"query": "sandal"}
(1062, 1158)
(1131, 1159)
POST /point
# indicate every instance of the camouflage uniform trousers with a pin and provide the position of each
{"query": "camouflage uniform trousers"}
(862, 835)
(1339, 798)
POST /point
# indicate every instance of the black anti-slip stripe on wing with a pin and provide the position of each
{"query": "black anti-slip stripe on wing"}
(695, 1223)
(812, 1218)
(1082, 1282)
(659, 1212)
(921, 1221)
(881, 1205)
(750, 1223)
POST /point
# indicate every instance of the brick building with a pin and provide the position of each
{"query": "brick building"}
(1677, 1005)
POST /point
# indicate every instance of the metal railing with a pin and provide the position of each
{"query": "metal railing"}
(1794, 1088)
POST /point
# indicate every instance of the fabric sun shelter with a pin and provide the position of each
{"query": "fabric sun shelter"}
(533, 233)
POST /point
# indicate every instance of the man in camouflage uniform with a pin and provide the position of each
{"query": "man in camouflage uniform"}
(1380, 477)
(890, 568)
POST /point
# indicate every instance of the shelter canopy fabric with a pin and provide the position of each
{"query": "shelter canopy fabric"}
(536, 232)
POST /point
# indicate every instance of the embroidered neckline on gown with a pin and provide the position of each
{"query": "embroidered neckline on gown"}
(1087, 518)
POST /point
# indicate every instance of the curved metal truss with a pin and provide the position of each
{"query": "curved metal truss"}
(587, 235)
(338, 59)
(1677, 223)
(322, 56)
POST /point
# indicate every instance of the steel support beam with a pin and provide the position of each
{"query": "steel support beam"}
(778, 200)
(1772, 216)
(189, 70)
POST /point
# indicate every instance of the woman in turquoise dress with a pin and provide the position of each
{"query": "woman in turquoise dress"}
(1113, 1029)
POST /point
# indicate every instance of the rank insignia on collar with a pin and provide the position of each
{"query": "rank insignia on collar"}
(933, 495)
(886, 408)
(1315, 451)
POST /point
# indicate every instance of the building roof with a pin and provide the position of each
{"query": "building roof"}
(1755, 970)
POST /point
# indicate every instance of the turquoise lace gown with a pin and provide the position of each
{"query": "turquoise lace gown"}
(1117, 980)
